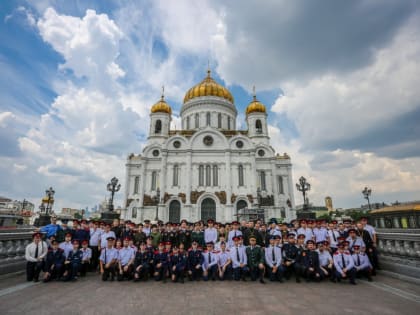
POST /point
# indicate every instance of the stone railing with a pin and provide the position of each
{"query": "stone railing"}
(399, 250)
(12, 249)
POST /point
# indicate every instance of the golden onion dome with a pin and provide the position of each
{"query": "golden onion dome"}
(208, 87)
(161, 107)
(255, 106)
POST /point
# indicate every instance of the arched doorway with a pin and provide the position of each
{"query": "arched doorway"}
(240, 205)
(175, 211)
(208, 209)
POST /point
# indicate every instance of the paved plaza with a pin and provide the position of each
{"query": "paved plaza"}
(91, 296)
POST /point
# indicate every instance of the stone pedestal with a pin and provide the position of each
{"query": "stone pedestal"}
(109, 216)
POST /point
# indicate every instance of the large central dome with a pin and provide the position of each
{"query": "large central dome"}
(208, 87)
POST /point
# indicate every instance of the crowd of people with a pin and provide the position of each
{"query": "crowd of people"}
(312, 250)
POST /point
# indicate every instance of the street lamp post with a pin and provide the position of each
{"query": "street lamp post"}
(113, 187)
(303, 186)
(366, 193)
(157, 201)
(46, 207)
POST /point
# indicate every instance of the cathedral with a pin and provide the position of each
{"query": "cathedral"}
(208, 169)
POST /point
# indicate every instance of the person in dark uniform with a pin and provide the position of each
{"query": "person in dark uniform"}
(177, 265)
(87, 256)
(54, 262)
(73, 262)
(161, 262)
(310, 262)
(194, 262)
(198, 235)
(184, 235)
(139, 236)
(142, 263)
(255, 259)
(291, 255)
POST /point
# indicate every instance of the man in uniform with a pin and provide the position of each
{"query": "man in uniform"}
(161, 261)
(305, 230)
(146, 227)
(67, 246)
(361, 263)
(184, 235)
(142, 263)
(177, 265)
(344, 264)
(73, 262)
(255, 259)
(125, 261)
(86, 259)
(292, 255)
(210, 234)
(325, 262)
(106, 234)
(194, 262)
(108, 260)
(224, 263)
(209, 263)
(239, 260)
(54, 262)
(139, 236)
(353, 240)
(233, 233)
(95, 237)
(273, 260)
(310, 262)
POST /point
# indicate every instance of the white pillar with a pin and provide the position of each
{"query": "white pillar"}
(189, 173)
(228, 177)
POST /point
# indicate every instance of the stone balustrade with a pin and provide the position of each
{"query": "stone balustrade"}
(399, 250)
(12, 249)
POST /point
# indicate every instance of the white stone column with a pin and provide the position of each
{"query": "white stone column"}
(189, 173)
(142, 189)
(275, 189)
(228, 177)
(292, 215)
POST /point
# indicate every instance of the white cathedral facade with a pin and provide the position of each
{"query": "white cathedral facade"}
(208, 169)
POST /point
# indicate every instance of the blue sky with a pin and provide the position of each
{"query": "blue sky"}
(340, 80)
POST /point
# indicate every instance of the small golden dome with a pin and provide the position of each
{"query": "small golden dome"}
(161, 107)
(208, 87)
(255, 106)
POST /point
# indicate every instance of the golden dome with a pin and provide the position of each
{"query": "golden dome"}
(208, 87)
(161, 107)
(255, 106)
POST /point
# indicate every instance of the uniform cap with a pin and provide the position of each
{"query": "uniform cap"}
(36, 234)
(301, 236)
(356, 247)
(235, 223)
(168, 243)
(236, 238)
(210, 243)
(110, 238)
(252, 237)
(162, 244)
(85, 242)
(352, 231)
(210, 221)
(310, 242)
(127, 239)
(272, 237)
(146, 221)
(334, 221)
(291, 235)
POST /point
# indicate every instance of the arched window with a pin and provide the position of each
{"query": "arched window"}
(134, 212)
(208, 118)
(280, 184)
(158, 126)
(215, 175)
(197, 120)
(219, 120)
(258, 126)
(188, 123)
(201, 175)
(175, 177)
(228, 123)
(241, 175)
(136, 184)
(262, 181)
(208, 175)
(154, 178)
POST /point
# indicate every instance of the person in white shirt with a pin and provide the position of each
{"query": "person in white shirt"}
(34, 254)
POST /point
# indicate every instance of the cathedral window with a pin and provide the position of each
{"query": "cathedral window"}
(175, 177)
(262, 181)
(154, 180)
(197, 120)
(241, 175)
(219, 120)
(188, 123)
(134, 212)
(215, 175)
(258, 126)
(158, 126)
(280, 184)
(208, 175)
(136, 184)
(228, 123)
(201, 175)
(208, 119)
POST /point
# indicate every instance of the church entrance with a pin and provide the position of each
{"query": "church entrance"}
(240, 205)
(208, 209)
(174, 211)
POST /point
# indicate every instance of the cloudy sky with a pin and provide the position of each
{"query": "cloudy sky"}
(340, 79)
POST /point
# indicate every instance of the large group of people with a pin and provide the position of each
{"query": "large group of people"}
(310, 250)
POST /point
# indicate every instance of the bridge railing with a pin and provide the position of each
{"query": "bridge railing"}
(399, 250)
(12, 249)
